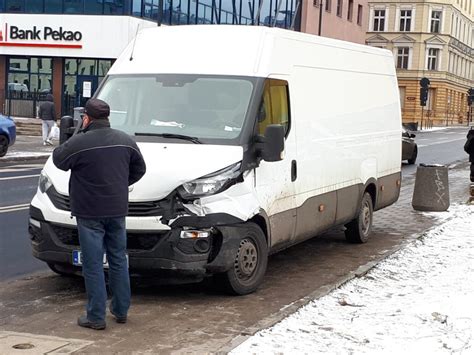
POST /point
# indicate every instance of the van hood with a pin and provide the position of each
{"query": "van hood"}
(167, 167)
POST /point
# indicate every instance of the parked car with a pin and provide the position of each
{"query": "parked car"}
(409, 147)
(7, 134)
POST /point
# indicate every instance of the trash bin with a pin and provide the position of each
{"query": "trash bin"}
(431, 191)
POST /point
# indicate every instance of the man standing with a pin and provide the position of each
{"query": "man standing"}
(47, 113)
(469, 149)
(103, 163)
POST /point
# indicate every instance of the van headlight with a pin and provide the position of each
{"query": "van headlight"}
(44, 182)
(211, 184)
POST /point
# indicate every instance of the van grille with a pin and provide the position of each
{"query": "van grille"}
(135, 209)
(135, 241)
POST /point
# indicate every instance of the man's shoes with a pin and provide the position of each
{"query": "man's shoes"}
(44, 143)
(48, 141)
(86, 323)
(118, 319)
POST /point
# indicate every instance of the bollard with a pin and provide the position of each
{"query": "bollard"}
(431, 191)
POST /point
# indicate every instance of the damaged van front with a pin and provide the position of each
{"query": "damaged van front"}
(195, 212)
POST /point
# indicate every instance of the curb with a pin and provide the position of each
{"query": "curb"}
(39, 158)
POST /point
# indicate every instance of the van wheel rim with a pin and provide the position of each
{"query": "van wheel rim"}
(366, 218)
(246, 260)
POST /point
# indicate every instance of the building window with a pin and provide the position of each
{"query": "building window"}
(339, 8)
(30, 74)
(359, 14)
(403, 54)
(15, 6)
(379, 20)
(53, 6)
(328, 5)
(430, 102)
(350, 9)
(316, 3)
(435, 21)
(405, 20)
(433, 54)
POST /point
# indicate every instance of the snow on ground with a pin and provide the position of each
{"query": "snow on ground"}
(417, 301)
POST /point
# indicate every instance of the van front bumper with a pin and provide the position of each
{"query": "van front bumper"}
(149, 252)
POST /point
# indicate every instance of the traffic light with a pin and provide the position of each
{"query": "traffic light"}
(424, 83)
(470, 96)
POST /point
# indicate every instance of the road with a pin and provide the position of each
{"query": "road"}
(18, 184)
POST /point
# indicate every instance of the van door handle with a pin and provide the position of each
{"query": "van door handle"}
(294, 171)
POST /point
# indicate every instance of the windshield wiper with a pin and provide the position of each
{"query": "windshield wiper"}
(171, 135)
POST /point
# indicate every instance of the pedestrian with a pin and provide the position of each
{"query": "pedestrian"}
(104, 162)
(47, 113)
(469, 149)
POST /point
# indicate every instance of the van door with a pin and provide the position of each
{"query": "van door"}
(275, 180)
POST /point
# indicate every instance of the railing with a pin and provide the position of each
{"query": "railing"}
(23, 103)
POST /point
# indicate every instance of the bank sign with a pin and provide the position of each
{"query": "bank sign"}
(36, 36)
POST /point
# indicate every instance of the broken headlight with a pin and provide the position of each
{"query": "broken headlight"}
(44, 182)
(210, 184)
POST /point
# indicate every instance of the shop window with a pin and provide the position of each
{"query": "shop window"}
(33, 74)
(151, 9)
(74, 6)
(93, 7)
(86, 67)
(15, 6)
(53, 6)
(274, 108)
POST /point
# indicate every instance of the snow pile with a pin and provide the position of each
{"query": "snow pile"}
(418, 301)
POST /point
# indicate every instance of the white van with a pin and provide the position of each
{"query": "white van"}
(255, 139)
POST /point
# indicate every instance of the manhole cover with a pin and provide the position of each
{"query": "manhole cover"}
(25, 346)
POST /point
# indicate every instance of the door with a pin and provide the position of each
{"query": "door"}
(275, 180)
(86, 87)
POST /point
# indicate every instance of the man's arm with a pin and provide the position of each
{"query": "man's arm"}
(62, 154)
(137, 166)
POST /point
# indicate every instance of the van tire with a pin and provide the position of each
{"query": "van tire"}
(250, 262)
(359, 229)
(3, 145)
(412, 160)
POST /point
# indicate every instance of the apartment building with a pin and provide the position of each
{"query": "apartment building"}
(433, 39)
(340, 19)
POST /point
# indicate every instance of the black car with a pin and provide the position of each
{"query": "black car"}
(409, 147)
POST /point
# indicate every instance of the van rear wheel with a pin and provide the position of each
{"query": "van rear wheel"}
(358, 230)
(250, 262)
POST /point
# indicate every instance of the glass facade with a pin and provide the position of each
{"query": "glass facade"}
(278, 13)
(30, 74)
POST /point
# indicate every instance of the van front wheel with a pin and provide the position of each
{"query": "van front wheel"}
(250, 262)
(358, 230)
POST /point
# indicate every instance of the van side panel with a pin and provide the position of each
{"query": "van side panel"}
(346, 114)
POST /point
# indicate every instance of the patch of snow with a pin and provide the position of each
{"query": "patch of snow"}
(417, 301)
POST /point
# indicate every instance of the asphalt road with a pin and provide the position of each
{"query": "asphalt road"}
(18, 183)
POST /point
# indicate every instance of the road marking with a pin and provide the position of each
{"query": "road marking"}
(18, 177)
(441, 142)
(13, 208)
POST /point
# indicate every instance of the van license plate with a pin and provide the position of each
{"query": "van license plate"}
(77, 259)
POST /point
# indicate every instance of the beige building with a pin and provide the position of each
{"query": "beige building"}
(433, 39)
(341, 19)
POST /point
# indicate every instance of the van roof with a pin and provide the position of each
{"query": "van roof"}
(225, 50)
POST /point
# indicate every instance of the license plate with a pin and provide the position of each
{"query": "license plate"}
(77, 259)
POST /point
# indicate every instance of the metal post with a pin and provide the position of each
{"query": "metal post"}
(421, 128)
(160, 12)
(320, 17)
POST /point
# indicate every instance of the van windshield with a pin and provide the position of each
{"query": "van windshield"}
(203, 107)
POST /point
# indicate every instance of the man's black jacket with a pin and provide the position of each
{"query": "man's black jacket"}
(103, 163)
(46, 111)
(469, 146)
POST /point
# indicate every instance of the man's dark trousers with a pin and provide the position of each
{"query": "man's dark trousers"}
(97, 236)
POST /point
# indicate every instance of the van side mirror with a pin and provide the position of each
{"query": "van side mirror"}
(272, 144)
(66, 128)
(412, 135)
